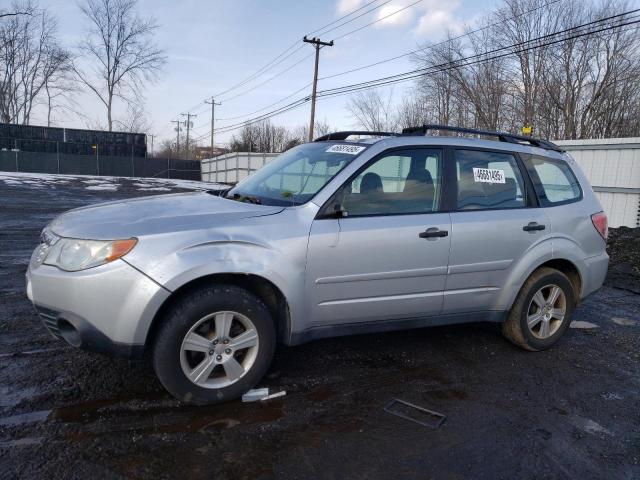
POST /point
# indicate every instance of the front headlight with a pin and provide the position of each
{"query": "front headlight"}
(72, 254)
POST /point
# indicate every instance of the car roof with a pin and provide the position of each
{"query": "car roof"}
(416, 136)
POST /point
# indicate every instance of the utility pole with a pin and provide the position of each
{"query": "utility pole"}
(317, 43)
(213, 118)
(177, 122)
(151, 135)
(188, 122)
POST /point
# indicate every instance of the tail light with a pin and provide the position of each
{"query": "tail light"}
(600, 222)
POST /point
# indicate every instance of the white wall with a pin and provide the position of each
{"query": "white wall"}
(613, 167)
(233, 167)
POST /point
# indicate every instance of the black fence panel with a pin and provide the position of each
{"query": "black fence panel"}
(92, 164)
(36, 162)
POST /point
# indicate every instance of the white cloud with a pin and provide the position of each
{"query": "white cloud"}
(431, 18)
(403, 17)
(347, 6)
(437, 17)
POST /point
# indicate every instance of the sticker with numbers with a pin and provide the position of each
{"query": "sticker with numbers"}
(350, 149)
(488, 175)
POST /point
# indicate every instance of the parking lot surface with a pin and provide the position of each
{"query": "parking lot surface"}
(569, 412)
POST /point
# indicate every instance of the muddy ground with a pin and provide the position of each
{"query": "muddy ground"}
(570, 412)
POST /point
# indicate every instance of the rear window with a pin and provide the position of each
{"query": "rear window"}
(554, 181)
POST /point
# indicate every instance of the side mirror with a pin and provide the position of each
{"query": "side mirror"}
(340, 211)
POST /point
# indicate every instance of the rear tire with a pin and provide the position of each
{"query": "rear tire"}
(542, 310)
(215, 343)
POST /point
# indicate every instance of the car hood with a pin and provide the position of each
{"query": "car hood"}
(154, 215)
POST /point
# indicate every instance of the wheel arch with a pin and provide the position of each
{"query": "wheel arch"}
(261, 287)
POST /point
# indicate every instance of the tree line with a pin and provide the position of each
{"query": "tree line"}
(115, 58)
(584, 87)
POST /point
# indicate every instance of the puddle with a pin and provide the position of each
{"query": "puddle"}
(226, 416)
(167, 416)
(320, 394)
(31, 417)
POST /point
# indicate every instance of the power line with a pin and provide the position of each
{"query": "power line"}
(287, 53)
(378, 20)
(320, 31)
(429, 47)
(352, 19)
(270, 78)
(388, 79)
(280, 58)
(441, 68)
(389, 59)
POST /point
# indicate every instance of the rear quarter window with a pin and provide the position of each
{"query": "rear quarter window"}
(554, 181)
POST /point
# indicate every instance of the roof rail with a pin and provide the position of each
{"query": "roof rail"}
(347, 133)
(502, 136)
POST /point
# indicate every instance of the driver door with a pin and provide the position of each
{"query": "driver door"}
(386, 260)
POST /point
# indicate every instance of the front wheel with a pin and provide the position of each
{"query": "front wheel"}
(215, 343)
(542, 310)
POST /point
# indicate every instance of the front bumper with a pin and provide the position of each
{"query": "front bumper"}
(107, 308)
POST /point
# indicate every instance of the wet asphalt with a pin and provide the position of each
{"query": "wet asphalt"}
(570, 412)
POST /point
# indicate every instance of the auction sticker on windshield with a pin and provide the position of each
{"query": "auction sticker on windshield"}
(488, 175)
(350, 149)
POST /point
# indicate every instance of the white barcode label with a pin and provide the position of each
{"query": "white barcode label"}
(350, 149)
(488, 175)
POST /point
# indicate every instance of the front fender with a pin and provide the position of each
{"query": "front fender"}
(283, 269)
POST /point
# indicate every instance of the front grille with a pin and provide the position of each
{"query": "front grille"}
(50, 320)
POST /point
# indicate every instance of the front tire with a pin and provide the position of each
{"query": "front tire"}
(215, 343)
(542, 310)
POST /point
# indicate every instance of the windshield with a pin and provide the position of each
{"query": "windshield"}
(297, 175)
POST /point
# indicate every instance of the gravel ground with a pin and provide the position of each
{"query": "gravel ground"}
(570, 412)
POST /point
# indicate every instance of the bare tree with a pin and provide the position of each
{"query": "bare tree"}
(580, 87)
(372, 110)
(135, 120)
(119, 54)
(30, 59)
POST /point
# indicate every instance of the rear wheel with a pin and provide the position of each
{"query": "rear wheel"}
(542, 310)
(214, 344)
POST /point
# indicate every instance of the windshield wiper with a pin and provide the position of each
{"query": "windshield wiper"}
(222, 192)
(246, 198)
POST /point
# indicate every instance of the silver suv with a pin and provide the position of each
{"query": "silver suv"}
(334, 237)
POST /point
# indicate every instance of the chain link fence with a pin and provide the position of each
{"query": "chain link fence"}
(104, 165)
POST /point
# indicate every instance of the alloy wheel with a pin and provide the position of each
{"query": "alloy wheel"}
(546, 311)
(219, 349)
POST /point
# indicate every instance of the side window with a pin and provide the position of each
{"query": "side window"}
(403, 182)
(554, 181)
(488, 180)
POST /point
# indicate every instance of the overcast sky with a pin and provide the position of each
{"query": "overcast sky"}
(215, 44)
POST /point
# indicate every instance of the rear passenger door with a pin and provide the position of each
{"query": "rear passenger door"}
(494, 222)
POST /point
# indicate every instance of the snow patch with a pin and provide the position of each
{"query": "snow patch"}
(106, 187)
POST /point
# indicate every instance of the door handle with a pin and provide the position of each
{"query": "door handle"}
(533, 226)
(433, 232)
